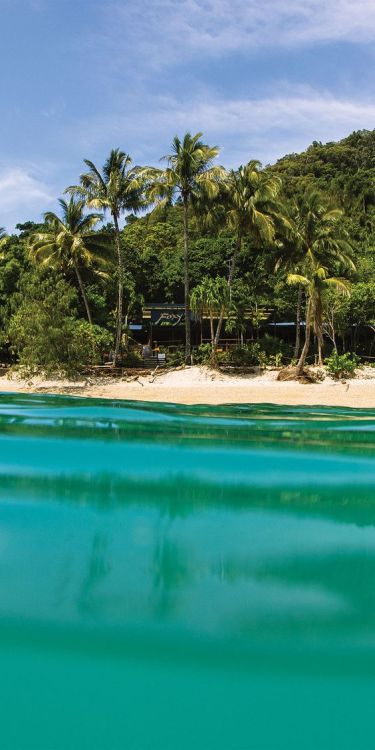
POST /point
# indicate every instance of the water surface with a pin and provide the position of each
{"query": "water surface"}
(185, 577)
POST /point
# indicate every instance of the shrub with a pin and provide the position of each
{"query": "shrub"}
(272, 344)
(91, 340)
(342, 365)
(45, 334)
(275, 360)
(245, 356)
(132, 359)
(175, 358)
(203, 354)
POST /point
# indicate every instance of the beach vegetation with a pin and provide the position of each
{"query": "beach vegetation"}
(211, 298)
(46, 333)
(322, 246)
(341, 366)
(189, 174)
(69, 242)
(285, 252)
(117, 188)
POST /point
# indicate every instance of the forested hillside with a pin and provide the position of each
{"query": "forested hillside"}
(58, 295)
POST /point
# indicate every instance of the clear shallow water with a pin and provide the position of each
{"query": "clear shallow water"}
(185, 577)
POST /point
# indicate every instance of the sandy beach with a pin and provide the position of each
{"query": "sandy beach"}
(200, 385)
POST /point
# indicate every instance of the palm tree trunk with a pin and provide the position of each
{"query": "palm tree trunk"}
(306, 346)
(212, 333)
(120, 292)
(213, 339)
(319, 330)
(232, 269)
(187, 284)
(82, 289)
(320, 348)
(298, 323)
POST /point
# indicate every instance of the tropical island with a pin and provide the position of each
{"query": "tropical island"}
(240, 273)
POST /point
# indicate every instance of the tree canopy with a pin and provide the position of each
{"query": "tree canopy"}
(288, 242)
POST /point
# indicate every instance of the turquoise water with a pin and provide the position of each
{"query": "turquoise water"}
(179, 578)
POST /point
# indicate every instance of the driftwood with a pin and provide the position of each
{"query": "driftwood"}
(306, 376)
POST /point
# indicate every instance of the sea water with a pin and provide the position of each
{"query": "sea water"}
(186, 578)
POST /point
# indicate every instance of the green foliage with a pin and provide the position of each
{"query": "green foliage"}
(117, 189)
(342, 365)
(250, 355)
(274, 351)
(45, 334)
(92, 341)
(268, 351)
(69, 242)
(203, 354)
(13, 263)
(210, 297)
(132, 359)
(276, 360)
(176, 358)
(264, 218)
(189, 169)
(272, 345)
(152, 253)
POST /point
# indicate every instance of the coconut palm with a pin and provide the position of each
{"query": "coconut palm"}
(3, 239)
(320, 244)
(70, 241)
(316, 283)
(290, 257)
(211, 297)
(117, 189)
(189, 171)
(249, 204)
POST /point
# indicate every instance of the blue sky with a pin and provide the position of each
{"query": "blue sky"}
(260, 78)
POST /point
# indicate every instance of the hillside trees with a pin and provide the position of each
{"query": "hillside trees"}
(150, 252)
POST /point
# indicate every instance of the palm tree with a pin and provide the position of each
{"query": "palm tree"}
(3, 239)
(211, 297)
(70, 241)
(317, 283)
(249, 204)
(321, 243)
(189, 171)
(290, 256)
(118, 188)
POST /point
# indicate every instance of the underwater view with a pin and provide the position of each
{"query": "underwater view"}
(185, 577)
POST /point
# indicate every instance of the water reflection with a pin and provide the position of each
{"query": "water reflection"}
(185, 577)
(95, 419)
(223, 540)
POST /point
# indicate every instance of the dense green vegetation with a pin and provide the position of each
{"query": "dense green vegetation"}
(290, 242)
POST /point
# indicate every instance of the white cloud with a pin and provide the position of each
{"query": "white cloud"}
(264, 128)
(297, 117)
(22, 196)
(165, 30)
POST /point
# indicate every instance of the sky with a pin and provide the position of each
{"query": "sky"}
(260, 78)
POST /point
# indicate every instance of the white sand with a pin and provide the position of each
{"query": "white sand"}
(200, 385)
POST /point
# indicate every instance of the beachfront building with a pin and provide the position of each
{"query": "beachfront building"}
(163, 325)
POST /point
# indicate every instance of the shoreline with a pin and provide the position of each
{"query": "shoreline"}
(200, 385)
